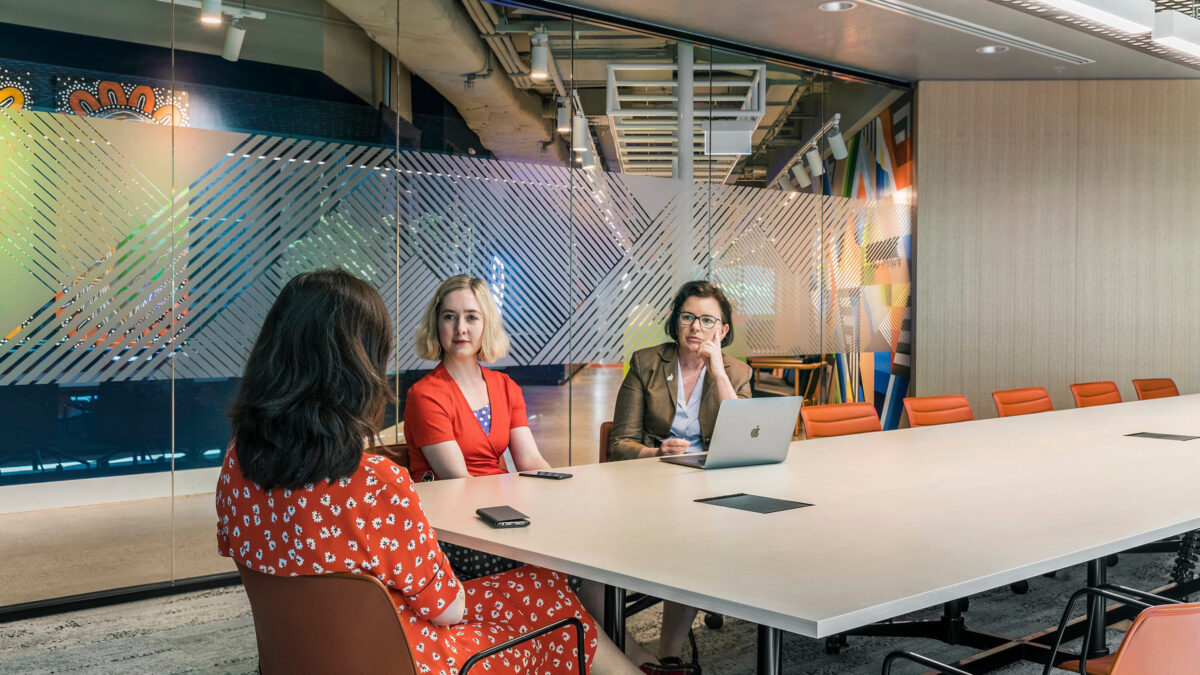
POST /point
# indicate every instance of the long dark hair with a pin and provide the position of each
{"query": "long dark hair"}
(700, 289)
(315, 385)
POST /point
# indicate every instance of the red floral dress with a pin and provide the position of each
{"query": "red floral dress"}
(372, 523)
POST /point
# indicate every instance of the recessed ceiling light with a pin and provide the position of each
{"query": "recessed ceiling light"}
(836, 6)
(992, 49)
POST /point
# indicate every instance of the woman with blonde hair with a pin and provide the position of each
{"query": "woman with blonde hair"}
(461, 417)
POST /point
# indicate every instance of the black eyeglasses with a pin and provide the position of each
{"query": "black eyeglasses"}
(687, 319)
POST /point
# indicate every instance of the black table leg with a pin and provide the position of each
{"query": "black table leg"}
(1097, 575)
(614, 615)
(770, 643)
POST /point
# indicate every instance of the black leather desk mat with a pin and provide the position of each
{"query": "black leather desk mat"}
(1164, 437)
(753, 503)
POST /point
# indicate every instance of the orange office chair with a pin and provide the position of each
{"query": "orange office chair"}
(1012, 402)
(1160, 387)
(1088, 394)
(1162, 639)
(301, 626)
(839, 419)
(925, 411)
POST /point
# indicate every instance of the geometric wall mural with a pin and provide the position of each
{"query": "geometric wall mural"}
(875, 257)
(110, 276)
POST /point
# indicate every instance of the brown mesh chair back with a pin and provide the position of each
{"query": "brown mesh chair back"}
(1088, 394)
(326, 623)
(605, 432)
(839, 419)
(924, 411)
(1022, 401)
(1159, 387)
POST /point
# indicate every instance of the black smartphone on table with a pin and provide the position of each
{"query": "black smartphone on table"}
(552, 475)
(502, 516)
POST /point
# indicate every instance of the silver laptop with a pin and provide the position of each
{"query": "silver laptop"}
(749, 431)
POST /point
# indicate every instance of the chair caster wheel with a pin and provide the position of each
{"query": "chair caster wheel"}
(834, 644)
(714, 621)
(1113, 560)
(1019, 587)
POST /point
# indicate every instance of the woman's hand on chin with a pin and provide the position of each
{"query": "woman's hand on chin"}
(710, 351)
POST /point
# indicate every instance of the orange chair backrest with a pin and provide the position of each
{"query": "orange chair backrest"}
(1158, 387)
(1162, 639)
(839, 419)
(1088, 394)
(925, 411)
(1022, 401)
(326, 623)
(605, 432)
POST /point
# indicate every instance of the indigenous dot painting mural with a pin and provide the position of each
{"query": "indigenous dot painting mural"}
(16, 89)
(118, 101)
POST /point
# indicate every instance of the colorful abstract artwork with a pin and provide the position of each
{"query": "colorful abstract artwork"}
(121, 101)
(871, 263)
(16, 89)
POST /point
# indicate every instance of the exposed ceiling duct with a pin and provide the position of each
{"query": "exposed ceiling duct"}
(439, 43)
(643, 101)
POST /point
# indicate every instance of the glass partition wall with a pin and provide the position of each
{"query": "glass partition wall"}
(163, 176)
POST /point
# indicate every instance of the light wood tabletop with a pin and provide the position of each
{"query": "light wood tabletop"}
(901, 520)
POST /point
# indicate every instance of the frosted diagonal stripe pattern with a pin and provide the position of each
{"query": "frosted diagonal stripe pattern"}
(585, 263)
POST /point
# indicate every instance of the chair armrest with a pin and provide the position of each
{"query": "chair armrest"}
(491, 651)
(1087, 632)
(922, 660)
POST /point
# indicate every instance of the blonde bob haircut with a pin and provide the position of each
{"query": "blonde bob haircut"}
(494, 344)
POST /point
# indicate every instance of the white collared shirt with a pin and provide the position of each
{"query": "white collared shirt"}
(686, 424)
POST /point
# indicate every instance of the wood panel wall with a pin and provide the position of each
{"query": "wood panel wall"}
(1057, 238)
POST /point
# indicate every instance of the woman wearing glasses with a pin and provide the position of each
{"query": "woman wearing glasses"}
(668, 405)
(669, 400)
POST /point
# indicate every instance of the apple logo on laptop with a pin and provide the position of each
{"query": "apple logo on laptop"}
(754, 432)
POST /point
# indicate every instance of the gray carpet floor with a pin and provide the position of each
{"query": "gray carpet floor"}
(213, 632)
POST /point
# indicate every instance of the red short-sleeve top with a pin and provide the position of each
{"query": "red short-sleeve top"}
(435, 411)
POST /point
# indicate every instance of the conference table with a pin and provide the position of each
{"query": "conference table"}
(899, 520)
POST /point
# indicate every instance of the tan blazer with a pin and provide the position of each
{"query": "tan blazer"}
(646, 402)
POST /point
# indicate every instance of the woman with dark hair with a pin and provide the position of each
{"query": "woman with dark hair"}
(299, 495)
(668, 405)
(669, 400)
